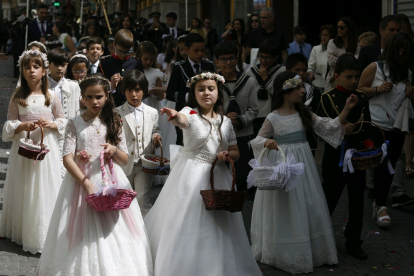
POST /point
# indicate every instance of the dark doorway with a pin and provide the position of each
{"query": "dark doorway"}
(314, 14)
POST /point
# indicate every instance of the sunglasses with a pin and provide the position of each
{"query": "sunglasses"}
(255, 21)
(124, 52)
(342, 28)
(224, 60)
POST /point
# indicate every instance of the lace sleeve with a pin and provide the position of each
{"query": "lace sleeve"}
(187, 111)
(232, 136)
(70, 138)
(57, 111)
(328, 129)
(122, 144)
(12, 122)
(264, 133)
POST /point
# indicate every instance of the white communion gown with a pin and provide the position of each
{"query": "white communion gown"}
(185, 238)
(82, 241)
(292, 230)
(30, 191)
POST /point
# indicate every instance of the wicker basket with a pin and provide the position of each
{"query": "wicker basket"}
(156, 168)
(262, 174)
(368, 162)
(231, 201)
(31, 151)
(122, 198)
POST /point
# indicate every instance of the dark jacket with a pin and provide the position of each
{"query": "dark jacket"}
(165, 32)
(212, 40)
(35, 33)
(368, 55)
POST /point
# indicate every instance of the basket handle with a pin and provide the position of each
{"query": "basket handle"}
(233, 172)
(42, 132)
(372, 123)
(111, 168)
(266, 150)
(162, 154)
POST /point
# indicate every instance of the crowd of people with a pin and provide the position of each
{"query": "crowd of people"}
(203, 97)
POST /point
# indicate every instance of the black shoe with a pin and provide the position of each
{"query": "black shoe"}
(371, 194)
(357, 252)
(402, 200)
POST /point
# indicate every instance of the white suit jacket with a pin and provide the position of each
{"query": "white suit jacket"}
(150, 126)
(70, 98)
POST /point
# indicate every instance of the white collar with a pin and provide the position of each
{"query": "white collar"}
(303, 44)
(192, 63)
(95, 64)
(175, 28)
(54, 83)
(133, 108)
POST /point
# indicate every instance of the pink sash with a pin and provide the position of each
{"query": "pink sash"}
(35, 117)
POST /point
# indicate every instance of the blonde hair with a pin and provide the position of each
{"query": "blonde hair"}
(367, 38)
(23, 91)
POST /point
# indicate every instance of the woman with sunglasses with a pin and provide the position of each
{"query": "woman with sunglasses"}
(386, 81)
(346, 41)
(252, 23)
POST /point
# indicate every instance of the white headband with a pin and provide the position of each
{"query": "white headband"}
(292, 83)
(35, 52)
(37, 42)
(80, 56)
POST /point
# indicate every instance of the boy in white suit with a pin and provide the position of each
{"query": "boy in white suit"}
(140, 124)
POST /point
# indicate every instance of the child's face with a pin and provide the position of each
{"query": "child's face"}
(91, 30)
(296, 96)
(147, 60)
(348, 79)
(301, 69)
(95, 98)
(79, 71)
(227, 63)
(134, 96)
(33, 73)
(196, 51)
(299, 38)
(206, 93)
(122, 53)
(94, 52)
(228, 26)
(111, 48)
(267, 60)
(57, 71)
(181, 47)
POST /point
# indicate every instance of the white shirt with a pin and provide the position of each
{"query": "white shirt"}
(39, 24)
(56, 87)
(136, 111)
(94, 66)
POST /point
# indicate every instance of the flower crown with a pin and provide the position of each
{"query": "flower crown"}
(38, 43)
(292, 83)
(36, 52)
(96, 77)
(79, 56)
(205, 76)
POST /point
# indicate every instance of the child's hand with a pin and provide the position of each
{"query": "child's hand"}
(89, 187)
(157, 141)
(311, 76)
(222, 156)
(263, 71)
(109, 150)
(46, 124)
(409, 91)
(235, 123)
(232, 115)
(171, 113)
(351, 101)
(28, 126)
(271, 144)
(115, 79)
(386, 86)
(349, 128)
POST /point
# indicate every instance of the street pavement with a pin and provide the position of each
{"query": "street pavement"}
(390, 251)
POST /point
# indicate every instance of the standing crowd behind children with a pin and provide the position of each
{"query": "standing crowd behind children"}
(85, 106)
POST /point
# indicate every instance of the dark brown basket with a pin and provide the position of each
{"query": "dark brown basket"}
(365, 163)
(151, 167)
(214, 199)
(32, 153)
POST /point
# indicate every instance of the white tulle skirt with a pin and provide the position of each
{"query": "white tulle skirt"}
(185, 238)
(292, 230)
(30, 193)
(82, 241)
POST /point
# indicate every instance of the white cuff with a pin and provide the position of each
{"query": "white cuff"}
(113, 91)
(186, 97)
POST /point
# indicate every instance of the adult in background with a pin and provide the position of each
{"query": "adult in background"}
(386, 81)
(267, 31)
(171, 30)
(405, 24)
(60, 30)
(91, 29)
(153, 29)
(318, 60)
(252, 23)
(197, 27)
(235, 32)
(212, 38)
(346, 41)
(389, 25)
(368, 39)
(298, 45)
(126, 22)
(40, 26)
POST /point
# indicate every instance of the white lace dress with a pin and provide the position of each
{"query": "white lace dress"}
(292, 230)
(185, 238)
(82, 241)
(30, 191)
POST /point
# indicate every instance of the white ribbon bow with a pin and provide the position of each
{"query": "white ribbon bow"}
(286, 172)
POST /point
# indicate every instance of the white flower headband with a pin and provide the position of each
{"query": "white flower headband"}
(79, 56)
(37, 43)
(292, 83)
(95, 77)
(36, 52)
(205, 76)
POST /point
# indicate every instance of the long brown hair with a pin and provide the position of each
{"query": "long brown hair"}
(109, 113)
(23, 91)
(279, 99)
(352, 36)
(218, 106)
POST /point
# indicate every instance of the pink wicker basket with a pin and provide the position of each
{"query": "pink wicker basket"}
(107, 202)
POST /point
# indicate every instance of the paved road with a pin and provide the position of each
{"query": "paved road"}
(391, 252)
